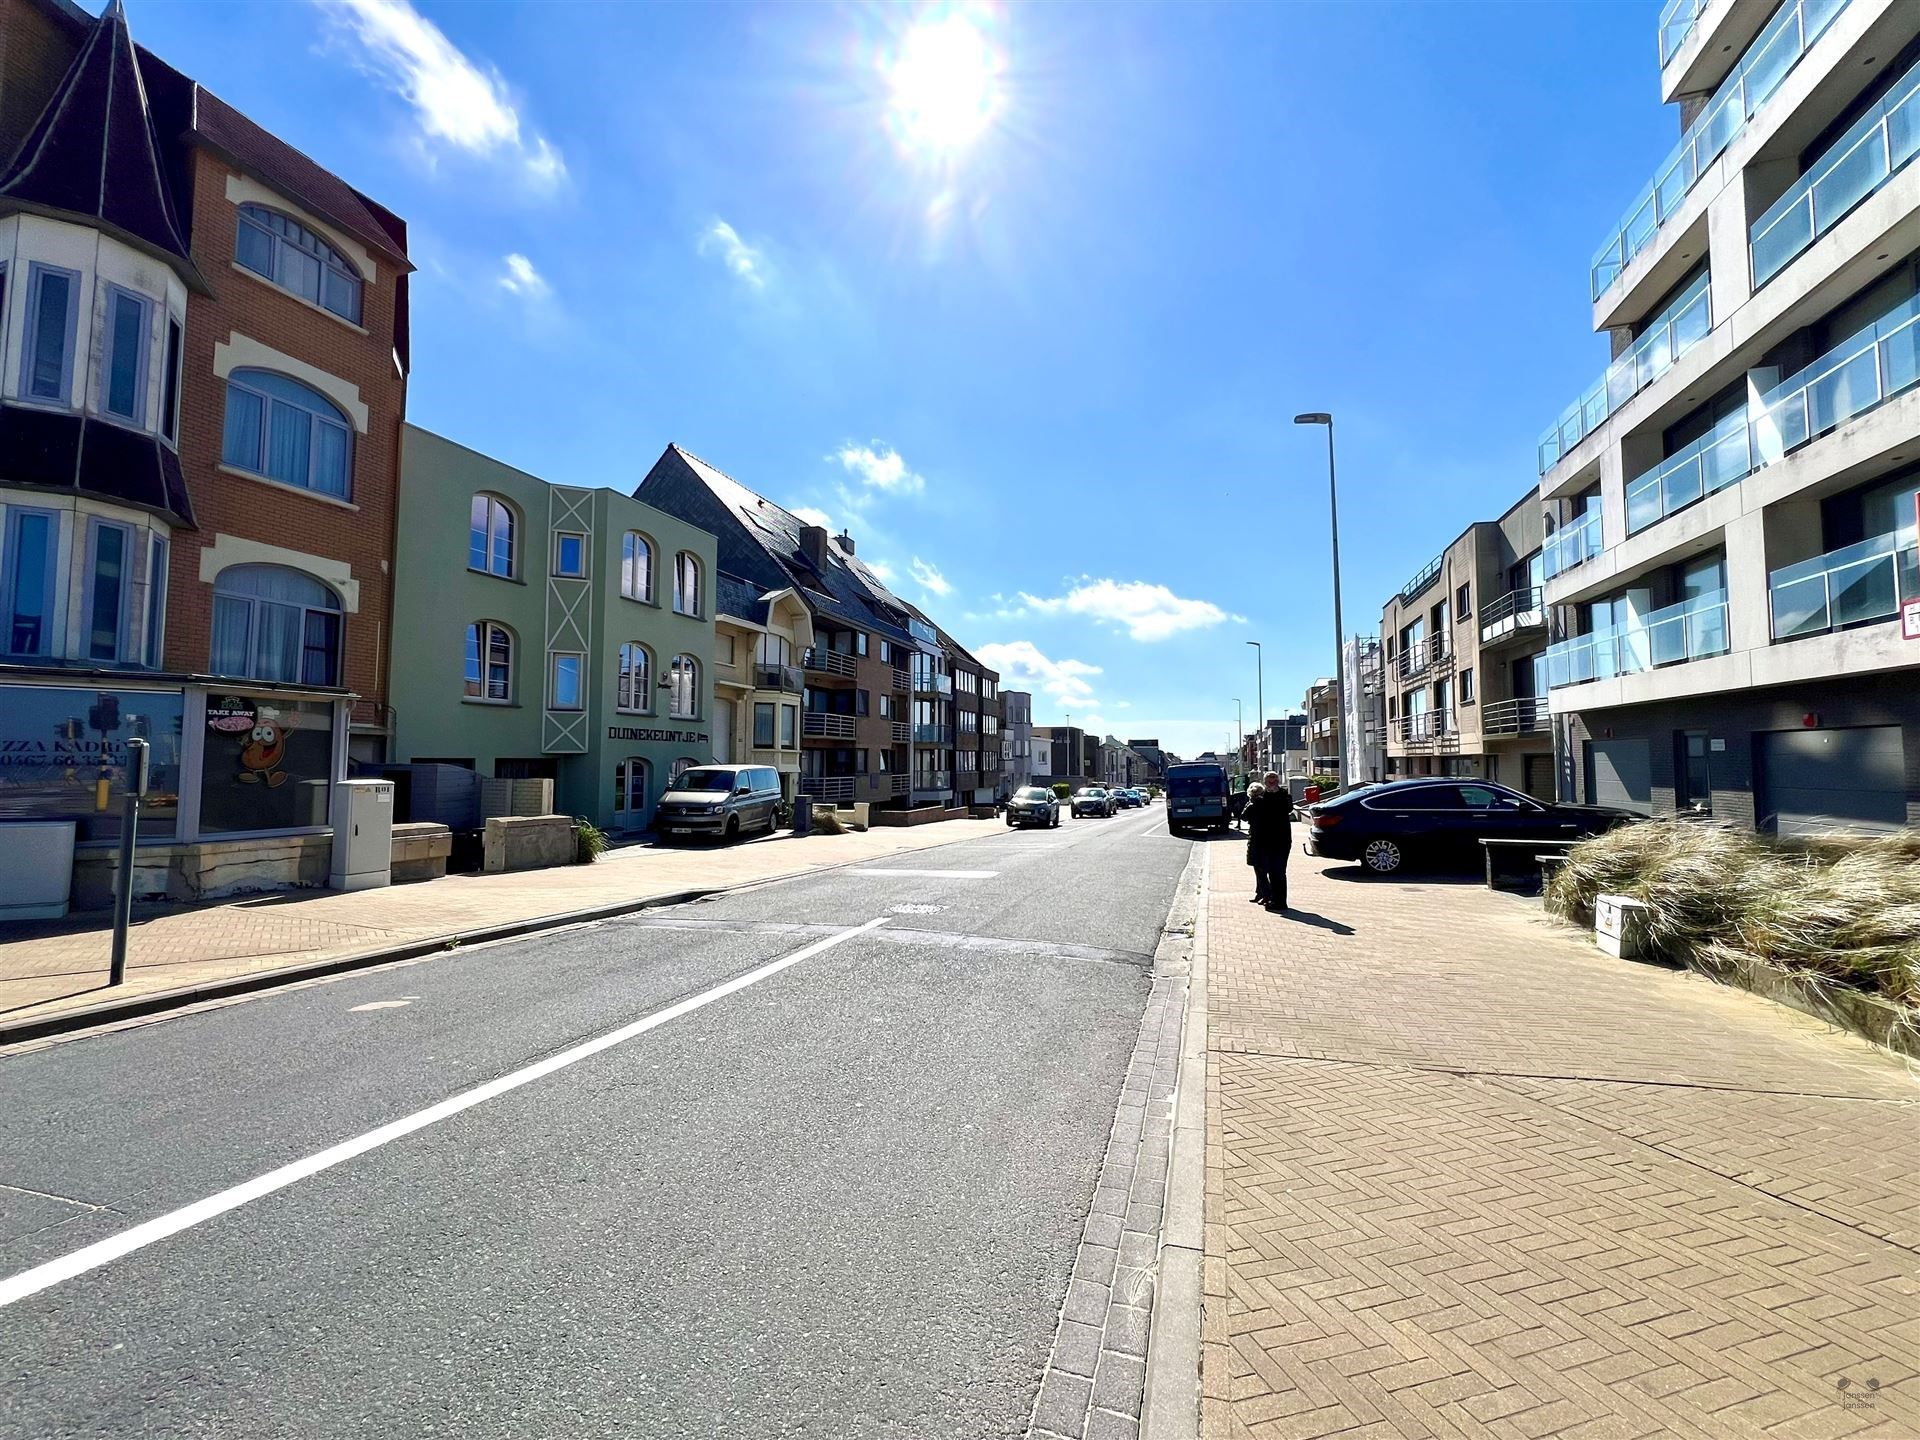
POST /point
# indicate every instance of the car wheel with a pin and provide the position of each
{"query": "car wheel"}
(1383, 857)
(1009, 822)
(732, 832)
(1056, 821)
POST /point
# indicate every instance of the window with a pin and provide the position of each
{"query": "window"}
(884, 761)
(566, 686)
(126, 368)
(886, 706)
(294, 258)
(1466, 687)
(789, 724)
(286, 431)
(272, 623)
(886, 652)
(492, 535)
(680, 767)
(170, 382)
(859, 642)
(684, 703)
(763, 725)
(1463, 602)
(636, 679)
(636, 567)
(52, 300)
(686, 583)
(1693, 770)
(159, 554)
(272, 774)
(861, 702)
(570, 555)
(27, 581)
(109, 582)
(630, 791)
(489, 662)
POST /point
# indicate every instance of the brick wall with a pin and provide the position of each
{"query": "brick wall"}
(35, 51)
(233, 505)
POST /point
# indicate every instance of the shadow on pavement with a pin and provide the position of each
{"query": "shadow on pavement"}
(1357, 875)
(1317, 921)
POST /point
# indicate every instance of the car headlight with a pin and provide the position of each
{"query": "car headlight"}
(715, 809)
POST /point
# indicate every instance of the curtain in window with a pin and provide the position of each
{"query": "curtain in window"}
(255, 249)
(686, 671)
(231, 621)
(245, 416)
(330, 467)
(277, 642)
(289, 433)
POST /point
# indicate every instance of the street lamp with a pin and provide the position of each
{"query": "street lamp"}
(1239, 735)
(1322, 417)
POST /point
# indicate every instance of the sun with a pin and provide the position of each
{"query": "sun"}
(944, 86)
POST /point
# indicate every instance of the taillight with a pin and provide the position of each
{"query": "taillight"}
(1326, 820)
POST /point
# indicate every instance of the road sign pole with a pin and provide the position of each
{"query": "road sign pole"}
(137, 752)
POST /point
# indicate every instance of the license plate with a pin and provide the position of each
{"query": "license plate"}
(679, 830)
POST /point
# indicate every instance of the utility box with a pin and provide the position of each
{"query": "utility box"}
(1620, 926)
(362, 835)
(38, 871)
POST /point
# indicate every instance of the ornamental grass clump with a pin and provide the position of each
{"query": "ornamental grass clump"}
(1837, 908)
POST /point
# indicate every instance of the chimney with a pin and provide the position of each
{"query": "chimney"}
(813, 545)
(844, 541)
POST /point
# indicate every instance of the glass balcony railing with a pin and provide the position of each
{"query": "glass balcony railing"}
(924, 734)
(1768, 61)
(1676, 24)
(1863, 371)
(1856, 165)
(1572, 544)
(1675, 331)
(1692, 630)
(1859, 585)
(1428, 573)
(1723, 455)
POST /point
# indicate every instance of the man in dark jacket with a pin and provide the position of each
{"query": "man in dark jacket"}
(1269, 839)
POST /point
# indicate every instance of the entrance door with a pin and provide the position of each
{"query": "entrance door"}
(723, 731)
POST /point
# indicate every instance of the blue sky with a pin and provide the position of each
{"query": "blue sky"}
(1046, 372)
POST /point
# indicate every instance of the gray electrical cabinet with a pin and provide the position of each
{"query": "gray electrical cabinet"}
(362, 835)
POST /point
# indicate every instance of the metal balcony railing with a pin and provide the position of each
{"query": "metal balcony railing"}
(1512, 614)
(900, 732)
(1430, 654)
(1525, 716)
(1424, 577)
(1428, 730)
(1572, 544)
(828, 789)
(1694, 629)
(900, 681)
(817, 726)
(830, 662)
(1859, 585)
(779, 677)
(1768, 61)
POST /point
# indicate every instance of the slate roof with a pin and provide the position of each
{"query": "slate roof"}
(78, 455)
(93, 152)
(759, 544)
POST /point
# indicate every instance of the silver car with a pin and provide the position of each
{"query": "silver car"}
(724, 800)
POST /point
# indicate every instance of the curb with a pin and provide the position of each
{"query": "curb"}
(1171, 1410)
(105, 1012)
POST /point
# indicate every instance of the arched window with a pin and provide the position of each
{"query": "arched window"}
(293, 257)
(685, 701)
(636, 678)
(636, 567)
(493, 537)
(630, 793)
(489, 661)
(272, 623)
(686, 583)
(288, 432)
(680, 767)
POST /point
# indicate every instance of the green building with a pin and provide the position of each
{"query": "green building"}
(546, 631)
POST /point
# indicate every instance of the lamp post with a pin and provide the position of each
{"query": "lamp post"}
(1322, 417)
(1260, 681)
(1239, 735)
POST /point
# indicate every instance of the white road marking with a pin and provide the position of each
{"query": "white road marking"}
(933, 874)
(92, 1257)
(379, 1005)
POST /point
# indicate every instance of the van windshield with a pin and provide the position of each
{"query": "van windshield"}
(721, 780)
(1192, 786)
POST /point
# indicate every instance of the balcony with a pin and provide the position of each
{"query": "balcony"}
(1420, 658)
(830, 662)
(828, 789)
(787, 678)
(1525, 716)
(1429, 730)
(1768, 61)
(1572, 544)
(1677, 329)
(1860, 585)
(1512, 615)
(1857, 164)
(1676, 24)
(817, 726)
(1863, 371)
(900, 732)
(1716, 460)
(900, 681)
(936, 780)
(932, 734)
(1428, 573)
(933, 685)
(1692, 630)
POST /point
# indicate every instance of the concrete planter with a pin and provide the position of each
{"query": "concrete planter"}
(205, 869)
(1882, 1021)
(420, 851)
(527, 842)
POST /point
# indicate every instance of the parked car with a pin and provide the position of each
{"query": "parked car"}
(1126, 799)
(1392, 826)
(1094, 800)
(1198, 793)
(724, 800)
(1033, 805)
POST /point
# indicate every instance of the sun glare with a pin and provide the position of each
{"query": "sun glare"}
(945, 85)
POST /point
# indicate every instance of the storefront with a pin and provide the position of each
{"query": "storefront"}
(240, 784)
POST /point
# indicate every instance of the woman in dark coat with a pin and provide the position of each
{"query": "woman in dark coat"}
(1269, 840)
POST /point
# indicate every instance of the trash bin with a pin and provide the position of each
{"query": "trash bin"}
(802, 816)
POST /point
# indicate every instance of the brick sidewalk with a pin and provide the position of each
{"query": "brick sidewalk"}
(61, 965)
(1468, 1176)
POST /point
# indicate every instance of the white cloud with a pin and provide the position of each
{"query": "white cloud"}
(929, 577)
(518, 277)
(741, 258)
(813, 517)
(1146, 612)
(1023, 666)
(459, 104)
(880, 466)
(882, 571)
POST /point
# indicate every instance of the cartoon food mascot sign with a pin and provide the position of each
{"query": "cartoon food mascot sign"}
(265, 744)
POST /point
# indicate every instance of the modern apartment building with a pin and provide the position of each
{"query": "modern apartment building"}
(1363, 716)
(1462, 656)
(203, 362)
(562, 633)
(1016, 739)
(1073, 756)
(976, 763)
(1325, 755)
(1732, 506)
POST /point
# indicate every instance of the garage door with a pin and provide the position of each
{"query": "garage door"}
(1814, 780)
(1620, 773)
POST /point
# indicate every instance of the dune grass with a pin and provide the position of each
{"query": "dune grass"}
(1841, 909)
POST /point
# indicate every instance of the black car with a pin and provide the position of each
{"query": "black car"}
(1441, 822)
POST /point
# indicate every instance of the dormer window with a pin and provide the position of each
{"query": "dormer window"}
(294, 258)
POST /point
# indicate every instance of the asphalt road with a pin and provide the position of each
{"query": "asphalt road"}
(840, 1198)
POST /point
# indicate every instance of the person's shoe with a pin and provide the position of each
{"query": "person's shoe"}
(1256, 899)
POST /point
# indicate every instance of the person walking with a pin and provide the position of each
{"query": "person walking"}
(1269, 840)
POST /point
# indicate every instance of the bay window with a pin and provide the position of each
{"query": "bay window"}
(28, 568)
(128, 319)
(53, 297)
